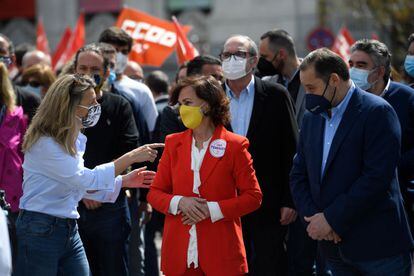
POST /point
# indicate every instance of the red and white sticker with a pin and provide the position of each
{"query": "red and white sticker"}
(218, 147)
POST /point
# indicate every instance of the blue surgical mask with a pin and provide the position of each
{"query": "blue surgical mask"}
(318, 103)
(112, 77)
(360, 77)
(35, 90)
(409, 65)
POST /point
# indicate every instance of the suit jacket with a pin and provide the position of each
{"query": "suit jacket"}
(272, 134)
(229, 180)
(358, 192)
(401, 98)
(296, 88)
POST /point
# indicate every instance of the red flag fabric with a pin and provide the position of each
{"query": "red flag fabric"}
(63, 44)
(41, 40)
(154, 38)
(76, 41)
(342, 44)
(185, 49)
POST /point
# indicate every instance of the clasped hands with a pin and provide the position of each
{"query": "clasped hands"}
(193, 210)
(319, 229)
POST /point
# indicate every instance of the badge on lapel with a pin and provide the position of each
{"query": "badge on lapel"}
(218, 147)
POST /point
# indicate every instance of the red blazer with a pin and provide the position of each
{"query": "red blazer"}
(229, 180)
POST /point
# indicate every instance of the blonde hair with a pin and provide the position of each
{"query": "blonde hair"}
(55, 117)
(7, 96)
(41, 72)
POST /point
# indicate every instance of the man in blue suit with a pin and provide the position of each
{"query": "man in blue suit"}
(370, 69)
(343, 180)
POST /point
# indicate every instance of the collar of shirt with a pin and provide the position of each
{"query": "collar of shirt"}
(341, 107)
(386, 88)
(249, 89)
(81, 143)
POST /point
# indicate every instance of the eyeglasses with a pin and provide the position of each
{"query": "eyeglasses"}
(239, 55)
(6, 60)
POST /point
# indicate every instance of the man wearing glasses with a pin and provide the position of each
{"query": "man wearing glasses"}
(262, 112)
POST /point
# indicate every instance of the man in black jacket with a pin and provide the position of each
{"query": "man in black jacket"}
(262, 111)
(105, 227)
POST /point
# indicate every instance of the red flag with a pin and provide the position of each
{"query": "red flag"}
(185, 50)
(76, 41)
(154, 38)
(63, 44)
(342, 44)
(41, 40)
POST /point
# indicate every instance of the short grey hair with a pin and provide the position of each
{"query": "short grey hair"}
(252, 48)
(378, 52)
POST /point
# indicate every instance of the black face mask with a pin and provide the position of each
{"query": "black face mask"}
(266, 67)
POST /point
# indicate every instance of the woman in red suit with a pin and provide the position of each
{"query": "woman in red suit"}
(204, 184)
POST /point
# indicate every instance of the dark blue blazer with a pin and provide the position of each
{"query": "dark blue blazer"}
(359, 192)
(401, 98)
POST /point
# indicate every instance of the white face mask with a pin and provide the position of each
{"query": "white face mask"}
(360, 77)
(121, 63)
(234, 69)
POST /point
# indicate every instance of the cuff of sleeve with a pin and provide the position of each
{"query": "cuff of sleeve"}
(173, 209)
(111, 197)
(215, 211)
(106, 176)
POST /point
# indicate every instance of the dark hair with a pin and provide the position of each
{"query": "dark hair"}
(93, 47)
(157, 82)
(325, 63)
(116, 36)
(11, 46)
(410, 39)
(209, 90)
(279, 38)
(21, 50)
(195, 66)
(378, 52)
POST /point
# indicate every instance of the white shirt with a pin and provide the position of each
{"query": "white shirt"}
(144, 98)
(5, 254)
(54, 181)
(197, 157)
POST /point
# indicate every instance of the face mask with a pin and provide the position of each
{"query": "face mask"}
(409, 65)
(6, 60)
(191, 116)
(35, 90)
(360, 77)
(98, 81)
(318, 104)
(121, 63)
(92, 118)
(234, 69)
(112, 77)
(266, 67)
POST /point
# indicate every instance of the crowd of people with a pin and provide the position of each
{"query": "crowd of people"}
(255, 162)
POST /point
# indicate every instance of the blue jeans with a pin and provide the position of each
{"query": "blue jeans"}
(136, 247)
(47, 245)
(105, 235)
(399, 265)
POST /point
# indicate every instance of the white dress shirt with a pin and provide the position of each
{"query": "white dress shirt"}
(54, 181)
(143, 96)
(197, 157)
(5, 253)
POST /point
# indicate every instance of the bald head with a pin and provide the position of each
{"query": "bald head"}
(134, 71)
(242, 42)
(35, 57)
